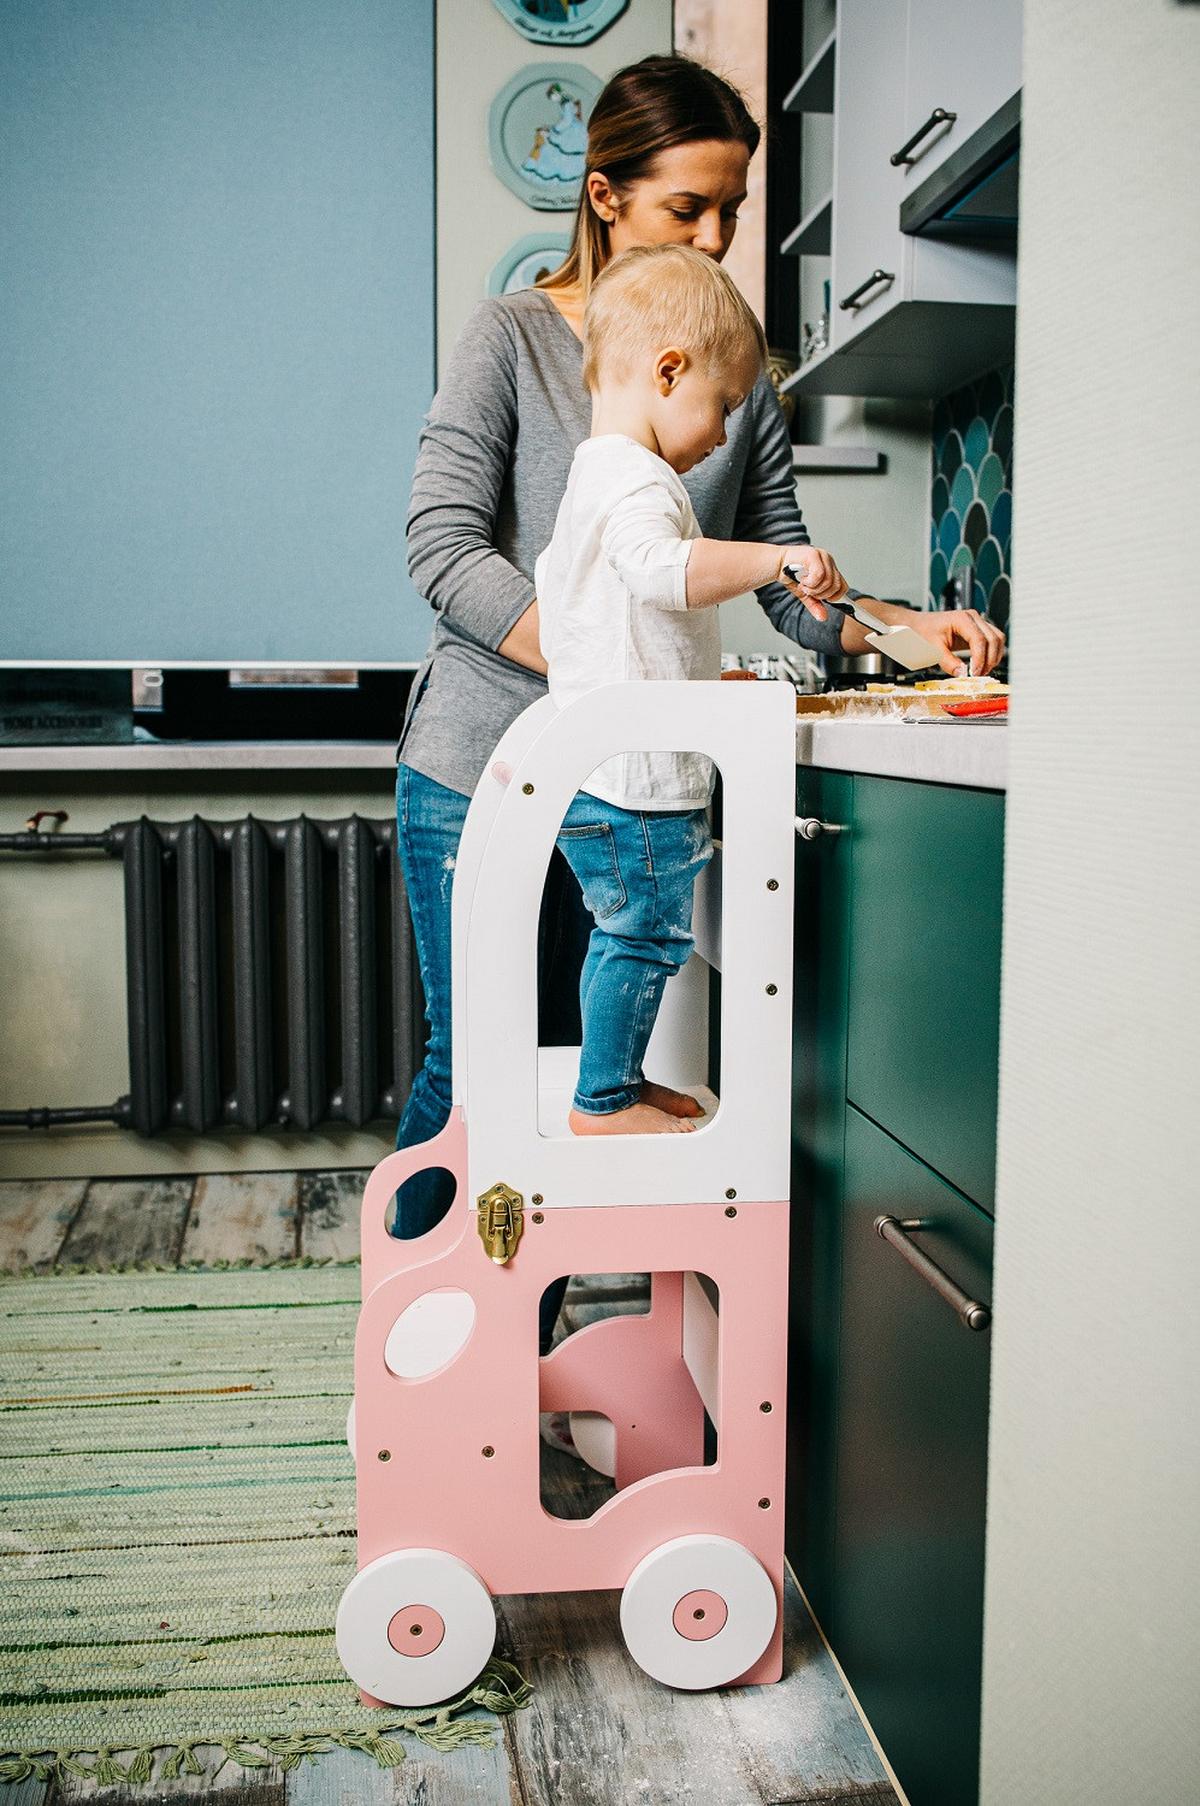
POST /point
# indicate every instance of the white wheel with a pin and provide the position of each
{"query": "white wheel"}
(596, 1440)
(415, 1627)
(698, 1611)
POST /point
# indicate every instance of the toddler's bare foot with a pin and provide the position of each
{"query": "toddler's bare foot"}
(675, 1103)
(638, 1119)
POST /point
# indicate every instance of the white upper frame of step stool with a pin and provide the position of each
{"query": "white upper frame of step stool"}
(749, 730)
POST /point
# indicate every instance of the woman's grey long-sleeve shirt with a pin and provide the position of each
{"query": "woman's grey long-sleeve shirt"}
(491, 470)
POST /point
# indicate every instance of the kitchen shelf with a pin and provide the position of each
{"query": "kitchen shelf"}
(811, 238)
(838, 458)
(813, 93)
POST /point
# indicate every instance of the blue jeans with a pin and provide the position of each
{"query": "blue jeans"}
(429, 821)
(637, 870)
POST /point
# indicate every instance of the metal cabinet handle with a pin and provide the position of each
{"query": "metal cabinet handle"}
(895, 1231)
(854, 298)
(808, 827)
(939, 116)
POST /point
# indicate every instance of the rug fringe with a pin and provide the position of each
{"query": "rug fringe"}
(500, 1689)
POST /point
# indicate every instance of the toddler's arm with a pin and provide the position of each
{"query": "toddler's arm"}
(643, 541)
(719, 569)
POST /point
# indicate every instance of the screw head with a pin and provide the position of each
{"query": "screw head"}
(537, 1198)
(537, 1217)
(731, 1193)
(766, 1405)
(487, 1451)
(772, 884)
(731, 1210)
(771, 990)
(526, 789)
(764, 1504)
(385, 1454)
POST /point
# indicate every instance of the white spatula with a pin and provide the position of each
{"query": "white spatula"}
(904, 644)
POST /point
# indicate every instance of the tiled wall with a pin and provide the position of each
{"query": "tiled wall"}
(972, 500)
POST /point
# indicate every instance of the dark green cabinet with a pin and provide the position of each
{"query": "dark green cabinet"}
(924, 979)
(907, 1593)
(896, 1032)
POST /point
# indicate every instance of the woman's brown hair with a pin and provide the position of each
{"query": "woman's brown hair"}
(641, 111)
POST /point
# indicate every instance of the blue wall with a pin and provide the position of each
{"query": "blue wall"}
(216, 326)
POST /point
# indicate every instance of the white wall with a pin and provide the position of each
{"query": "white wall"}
(1093, 1607)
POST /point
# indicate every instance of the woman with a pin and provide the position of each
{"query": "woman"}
(669, 147)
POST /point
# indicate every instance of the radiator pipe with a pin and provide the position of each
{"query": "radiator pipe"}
(110, 840)
(53, 1117)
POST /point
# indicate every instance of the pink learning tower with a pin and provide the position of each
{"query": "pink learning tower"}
(448, 1382)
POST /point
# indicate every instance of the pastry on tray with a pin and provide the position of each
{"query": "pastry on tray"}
(892, 702)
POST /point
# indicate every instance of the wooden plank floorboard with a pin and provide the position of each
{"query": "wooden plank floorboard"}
(123, 1221)
(231, 1785)
(35, 1218)
(805, 1742)
(470, 1776)
(330, 1205)
(243, 1216)
(598, 1730)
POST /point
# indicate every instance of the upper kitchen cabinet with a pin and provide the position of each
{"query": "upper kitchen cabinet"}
(964, 62)
(914, 82)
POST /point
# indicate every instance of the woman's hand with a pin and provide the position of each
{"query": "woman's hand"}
(947, 629)
(820, 581)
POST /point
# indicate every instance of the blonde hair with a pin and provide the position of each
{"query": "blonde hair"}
(658, 295)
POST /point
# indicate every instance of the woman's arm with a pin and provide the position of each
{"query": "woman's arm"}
(462, 461)
(767, 510)
(522, 643)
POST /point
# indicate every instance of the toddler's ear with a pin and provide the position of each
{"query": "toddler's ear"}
(669, 366)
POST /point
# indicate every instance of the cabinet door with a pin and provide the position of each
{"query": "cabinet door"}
(869, 124)
(924, 974)
(964, 59)
(906, 1619)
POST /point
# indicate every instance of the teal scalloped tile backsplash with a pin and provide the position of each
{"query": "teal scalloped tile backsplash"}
(971, 524)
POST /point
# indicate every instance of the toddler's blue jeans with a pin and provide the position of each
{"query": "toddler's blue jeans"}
(637, 870)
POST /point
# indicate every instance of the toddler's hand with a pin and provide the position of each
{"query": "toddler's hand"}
(817, 579)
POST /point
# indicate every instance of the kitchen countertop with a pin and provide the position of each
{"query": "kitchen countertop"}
(972, 756)
(975, 757)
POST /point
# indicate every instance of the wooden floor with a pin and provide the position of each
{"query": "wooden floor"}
(599, 1732)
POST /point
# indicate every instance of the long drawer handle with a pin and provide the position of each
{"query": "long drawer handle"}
(808, 827)
(895, 1231)
(938, 117)
(854, 298)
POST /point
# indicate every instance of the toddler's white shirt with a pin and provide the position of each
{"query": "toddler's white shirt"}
(612, 605)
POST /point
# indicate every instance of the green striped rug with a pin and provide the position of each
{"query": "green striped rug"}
(177, 1525)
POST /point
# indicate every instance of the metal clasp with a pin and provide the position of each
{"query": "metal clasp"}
(501, 1220)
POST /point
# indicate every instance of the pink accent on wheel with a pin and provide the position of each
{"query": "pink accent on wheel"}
(700, 1615)
(416, 1631)
(502, 772)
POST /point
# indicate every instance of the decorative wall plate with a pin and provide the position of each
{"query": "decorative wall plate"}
(537, 133)
(523, 263)
(561, 21)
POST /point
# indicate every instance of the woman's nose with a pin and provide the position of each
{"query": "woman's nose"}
(708, 235)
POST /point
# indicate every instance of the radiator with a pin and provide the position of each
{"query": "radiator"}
(271, 973)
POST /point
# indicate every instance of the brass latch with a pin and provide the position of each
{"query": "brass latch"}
(501, 1220)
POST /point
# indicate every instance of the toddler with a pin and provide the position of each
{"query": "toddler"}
(627, 589)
